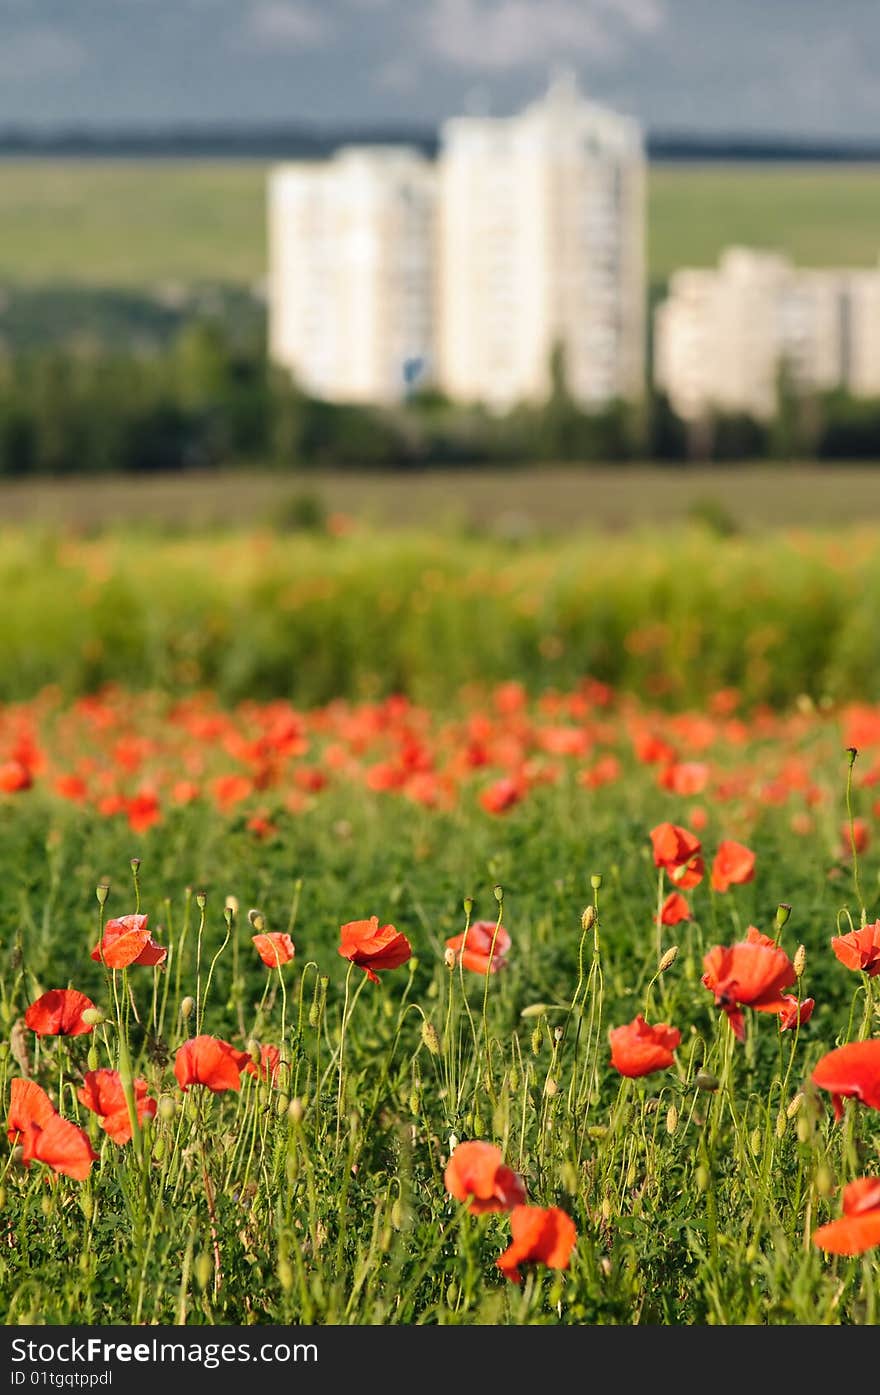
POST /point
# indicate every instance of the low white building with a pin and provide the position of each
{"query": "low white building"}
(726, 337)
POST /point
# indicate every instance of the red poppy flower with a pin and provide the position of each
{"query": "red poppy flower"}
(58, 1013)
(638, 1049)
(792, 1015)
(14, 776)
(674, 910)
(28, 1105)
(502, 795)
(860, 949)
(373, 946)
(734, 864)
(860, 834)
(859, 1227)
(851, 1071)
(211, 1062)
(274, 948)
(480, 948)
(677, 851)
(103, 1094)
(44, 1136)
(544, 1236)
(128, 941)
(476, 1172)
(269, 1069)
(752, 973)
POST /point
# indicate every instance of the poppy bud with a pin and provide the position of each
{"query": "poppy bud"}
(794, 1105)
(452, 1293)
(203, 1268)
(498, 893)
(430, 1038)
(186, 1007)
(134, 864)
(537, 1036)
(596, 880)
(799, 962)
(93, 1016)
(102, 891)
(479, 1126)
(706, 1079)
(671, 1119)
(558, 1034)
(285, 1275)
(160, 1148)
(756, 1140)
(513, 1079)
(668, 959)
(534, 1010)
(397, 1215)
(701, 1178)
(852, 752)
(282, 1104)
(449, 958)
(550, 1087)
(167, 1108)
(231, 904)
(468, 905)
(46, 1205)
(783, 913)
(780, 1124)
(804, 1128)
(257, 920)
(2, 1197)
(607, 1209)
(825, 1180)
(588, 919)
(414, 1102)
(252, 1047)
(201, 899)
(92, 1058)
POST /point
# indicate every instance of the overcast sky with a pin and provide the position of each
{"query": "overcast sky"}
(787, 67)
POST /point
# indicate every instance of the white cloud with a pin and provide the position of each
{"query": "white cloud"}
(39, 53)
(287, 24)
(505, 34)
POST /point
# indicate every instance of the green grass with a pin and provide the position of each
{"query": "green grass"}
(674, 613)
(137, 224)
(322, 1200)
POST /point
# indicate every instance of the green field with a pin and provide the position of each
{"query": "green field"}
(139, 224)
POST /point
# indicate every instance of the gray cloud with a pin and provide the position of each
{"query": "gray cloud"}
(32, 54)
(505, 34)
(287, 24)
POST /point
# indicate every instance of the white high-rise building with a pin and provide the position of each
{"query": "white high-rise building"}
(352, 298)
(542, 248)
(725, 337)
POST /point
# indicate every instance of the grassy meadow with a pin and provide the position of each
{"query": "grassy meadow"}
(135, 224)
(286, 736)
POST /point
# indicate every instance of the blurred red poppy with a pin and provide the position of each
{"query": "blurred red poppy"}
(852, 1072)
(858, 1229)
(476, 1173)
(269, 1068)
(480, 948)
(128, 941)
(733, 864)
(103, 1094)
(58, 1013)
(211, 1062)
(751, 973)
(638, 1049)
(274, 948)
(373, 946)
(860, 949)
(543, 1236)
(674, 910)
(677, 851)
(502, 795)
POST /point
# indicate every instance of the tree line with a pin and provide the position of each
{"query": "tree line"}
(207, 400)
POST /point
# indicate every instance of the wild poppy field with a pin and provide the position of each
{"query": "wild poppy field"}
(542, 1008)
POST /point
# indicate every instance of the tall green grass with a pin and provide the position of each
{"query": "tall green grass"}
(673, 614)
